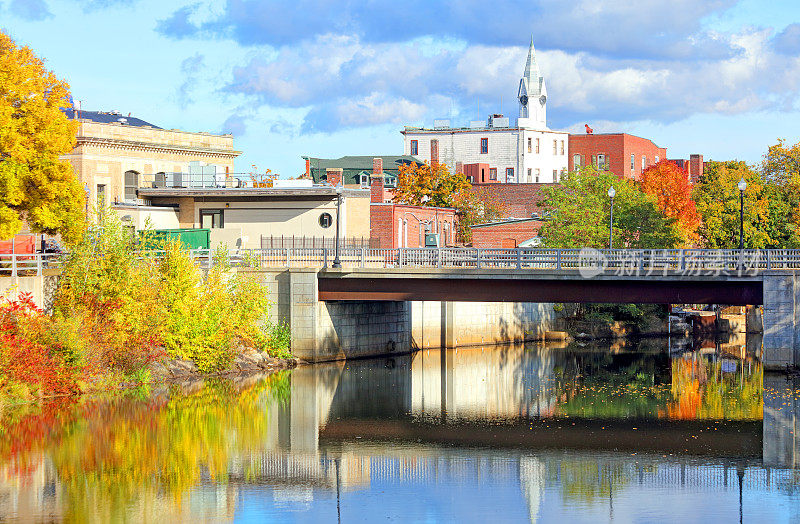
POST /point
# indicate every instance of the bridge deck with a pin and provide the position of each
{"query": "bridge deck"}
(492, 285)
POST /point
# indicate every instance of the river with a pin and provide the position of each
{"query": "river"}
(488, 434)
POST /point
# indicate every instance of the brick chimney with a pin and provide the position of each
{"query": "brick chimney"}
(334, 175)
(695, 168)
(377, 192)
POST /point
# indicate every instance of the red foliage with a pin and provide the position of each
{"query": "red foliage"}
(26, 361)
(670, 185)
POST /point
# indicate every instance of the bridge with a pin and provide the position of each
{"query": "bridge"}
(358, 303)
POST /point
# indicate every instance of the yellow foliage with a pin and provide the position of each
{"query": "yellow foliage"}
(36, 186)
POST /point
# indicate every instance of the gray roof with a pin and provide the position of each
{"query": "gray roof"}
(107, 117)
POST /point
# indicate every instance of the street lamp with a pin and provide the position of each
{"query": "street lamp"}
(742, 186)
(336, 261)
(611, 193)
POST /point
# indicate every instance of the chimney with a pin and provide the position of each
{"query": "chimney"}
(376, 190)
(334, 175)
(695, 168)
(377, 166)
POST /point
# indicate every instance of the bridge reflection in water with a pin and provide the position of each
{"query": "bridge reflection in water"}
(522, 432)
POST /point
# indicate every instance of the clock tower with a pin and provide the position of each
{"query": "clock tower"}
(532, 94)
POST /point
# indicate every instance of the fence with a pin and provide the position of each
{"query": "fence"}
(620, 261)
(303, 242)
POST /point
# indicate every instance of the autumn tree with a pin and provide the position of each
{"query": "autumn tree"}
(580, 214)
(717, 198)
(780, 170)
(434, 185)
(669, 185)
(37, 188)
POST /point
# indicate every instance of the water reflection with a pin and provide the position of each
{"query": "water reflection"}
(524, 432)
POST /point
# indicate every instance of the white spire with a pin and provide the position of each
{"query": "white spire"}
(532, 92)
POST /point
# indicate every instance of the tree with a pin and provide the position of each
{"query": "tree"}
(434, 185)
(580, 214)
(780, 170)
(36, 186)
(669, 185)
(717, 197)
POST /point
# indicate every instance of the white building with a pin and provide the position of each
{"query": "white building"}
(495, 151)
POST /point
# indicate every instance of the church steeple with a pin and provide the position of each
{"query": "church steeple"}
(532, 92)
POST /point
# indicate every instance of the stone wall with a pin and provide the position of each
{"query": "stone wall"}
(781, 326)
(42, 288)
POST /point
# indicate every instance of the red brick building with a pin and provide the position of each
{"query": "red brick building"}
(399, 225)
(694, 167)
(516, 200)
(506, 233)
(623, 154)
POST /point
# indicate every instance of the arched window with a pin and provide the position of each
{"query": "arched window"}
(131, 185)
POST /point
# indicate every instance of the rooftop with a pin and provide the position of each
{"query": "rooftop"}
(360, 162)
(106, 117)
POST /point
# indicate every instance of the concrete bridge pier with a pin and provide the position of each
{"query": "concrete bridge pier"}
(338, 329)
(781, 320)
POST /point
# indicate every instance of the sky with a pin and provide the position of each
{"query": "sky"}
(330, 78)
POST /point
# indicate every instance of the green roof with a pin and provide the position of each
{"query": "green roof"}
(361, 163)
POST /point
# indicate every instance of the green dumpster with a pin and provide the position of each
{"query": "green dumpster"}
(191, 238)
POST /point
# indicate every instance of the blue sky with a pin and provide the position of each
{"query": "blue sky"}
(331, 78)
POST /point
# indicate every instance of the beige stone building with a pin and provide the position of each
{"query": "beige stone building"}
(116, 155)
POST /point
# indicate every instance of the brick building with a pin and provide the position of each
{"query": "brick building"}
(694, 167)
(516, 201)
(395, 225)
(623, 154)
(511, 233)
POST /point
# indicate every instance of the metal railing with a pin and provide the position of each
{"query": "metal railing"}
(619, 261)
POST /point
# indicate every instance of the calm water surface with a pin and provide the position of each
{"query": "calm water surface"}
(493, 434)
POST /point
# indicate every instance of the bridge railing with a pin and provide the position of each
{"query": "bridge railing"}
(621, 261)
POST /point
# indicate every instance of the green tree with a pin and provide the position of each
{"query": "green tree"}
(36, 186)
(717, 197)
(580, 214)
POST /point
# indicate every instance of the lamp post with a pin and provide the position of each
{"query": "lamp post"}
(611, 193)
(336, 261)
(742, 186)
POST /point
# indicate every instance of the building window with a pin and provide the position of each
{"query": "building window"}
(656, 159)
(509, 174)
(415, 147)
(555, 147)
(492, 173)
(131, 185)
(325, 220)
(537, 176)
(484, 146)
(601, 161)
(101, 197)
(576, 162)
(364, 180)
(562, 147)
(390, 181)
(644, 162)
(537, 146)
(434, 150)
(555, 175)
(530, 177)
(633, 162)
(530, 145)
(211, 219)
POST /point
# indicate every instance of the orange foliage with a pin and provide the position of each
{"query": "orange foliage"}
(670, 186)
